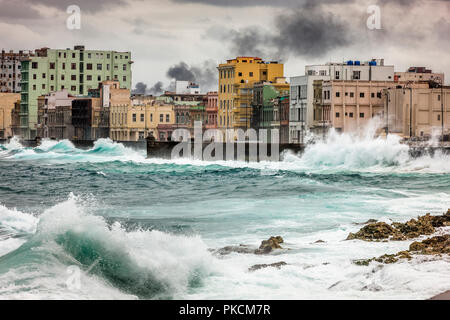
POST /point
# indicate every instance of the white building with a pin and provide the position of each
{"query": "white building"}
(186, 87)
(301, 115)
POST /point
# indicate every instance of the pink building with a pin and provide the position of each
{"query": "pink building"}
(211, 109)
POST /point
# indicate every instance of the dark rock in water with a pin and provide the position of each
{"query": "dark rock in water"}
(435, 246)
(373, 231)
(424, 225)
(367, 222)
(319, 241)
(238, 249)
(432, 246)
(277, 265)
(268, 245)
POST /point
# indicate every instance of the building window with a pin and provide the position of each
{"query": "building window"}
(361, 115)
(124, 67)
(439, 97)
(439, 117)
(52, 88)
(167, 117)
(352, 94)
(89, 66)
(43, 86)
(99, 78)
(142, 117)
(151, 117)
(351, 115)
(337, 114)
(250, 74)
(161, 118)
(52, 65)
(34, 76)
(34, 65)
(372, 95)
(124, 78)
(338, 94)
(89, 77)
(134, 117)
(337, 75)
(99, 66)
(73, 77)
(64, 66)
(240, 74)
(52, 77)
(379, 95)
(356, 75)
(73, 88)
(361, 94)
(62, 77)
(34, 87)
(73, 66)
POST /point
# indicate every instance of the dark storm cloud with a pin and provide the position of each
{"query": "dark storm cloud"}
(308, 32)
(204, 74)
(140, 88)
(157, 89)
(311, 32)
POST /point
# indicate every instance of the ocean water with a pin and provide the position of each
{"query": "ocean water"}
(107, 223)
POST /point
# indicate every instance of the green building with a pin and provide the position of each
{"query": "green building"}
(76, 70)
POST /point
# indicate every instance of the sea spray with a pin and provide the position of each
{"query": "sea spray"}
(147, 264)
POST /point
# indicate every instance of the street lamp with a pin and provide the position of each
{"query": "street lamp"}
(410, 106)
(442, 109)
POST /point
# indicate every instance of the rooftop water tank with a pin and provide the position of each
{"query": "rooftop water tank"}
(372, 63)
(357, 63)
(349, 62)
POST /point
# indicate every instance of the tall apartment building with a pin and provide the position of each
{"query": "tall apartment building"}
(10, 70)
(76, 70)
(301, 117)
(211, 109)
(236, 79)
(418, 74)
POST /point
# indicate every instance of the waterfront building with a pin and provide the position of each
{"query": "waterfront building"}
(76, 70)
(235, 95)
(418, 74)
(347, 106)
(418, 110)
(280, 119)
(211, 109)
(55, 115)
(7, 102)
(265, 94)
(162, 121)
(301, 117)
(10, 70)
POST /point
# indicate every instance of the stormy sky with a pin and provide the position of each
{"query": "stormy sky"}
(172, 39)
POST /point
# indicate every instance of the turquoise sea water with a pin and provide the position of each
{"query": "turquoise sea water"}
(131, 227)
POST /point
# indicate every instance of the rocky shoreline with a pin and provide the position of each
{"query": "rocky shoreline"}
(424, 225)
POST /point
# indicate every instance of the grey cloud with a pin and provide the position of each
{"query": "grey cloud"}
(17, 9)
(157, 88)
(205, 74)
(140, 88)
(85, 5)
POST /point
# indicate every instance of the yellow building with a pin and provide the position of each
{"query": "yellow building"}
(7, 101)
(236, 79)
(135, 122)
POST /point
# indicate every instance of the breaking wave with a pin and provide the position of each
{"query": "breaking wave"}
(113, 262)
